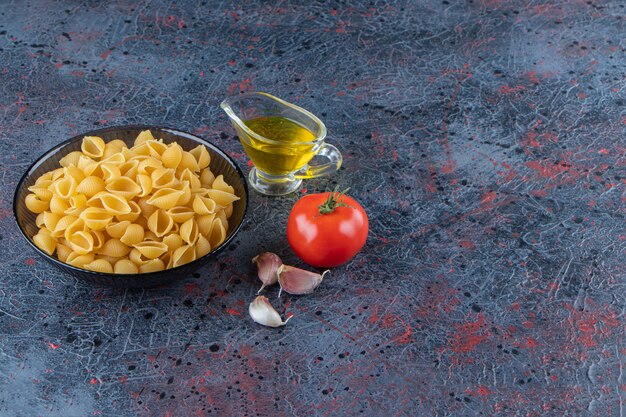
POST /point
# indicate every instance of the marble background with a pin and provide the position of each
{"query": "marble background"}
(485, 138)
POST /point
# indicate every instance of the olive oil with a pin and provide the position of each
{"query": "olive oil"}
(289, 148)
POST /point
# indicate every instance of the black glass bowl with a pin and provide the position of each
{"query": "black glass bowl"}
(220, 164)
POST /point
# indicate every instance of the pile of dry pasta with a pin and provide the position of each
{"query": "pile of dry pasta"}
(108, 208)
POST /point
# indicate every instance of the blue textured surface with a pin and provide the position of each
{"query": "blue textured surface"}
(484, 138)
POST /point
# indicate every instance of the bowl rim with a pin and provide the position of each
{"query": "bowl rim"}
(142, 276)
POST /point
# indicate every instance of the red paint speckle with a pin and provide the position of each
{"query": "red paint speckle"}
(547, 169)
(467, 244)
(469, 335)
(29, 262)
(506, 89)
(53, 346)
(531, 343)
(233, 312)
(489, 197)
(533, 77)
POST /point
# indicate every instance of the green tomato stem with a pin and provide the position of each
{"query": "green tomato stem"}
(333, 202)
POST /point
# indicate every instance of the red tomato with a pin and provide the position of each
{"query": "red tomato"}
(327, 229)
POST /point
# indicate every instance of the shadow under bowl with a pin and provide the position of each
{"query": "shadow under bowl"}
(220, 164)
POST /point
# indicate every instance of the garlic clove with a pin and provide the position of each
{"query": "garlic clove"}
(267, 264)
(298, 281)
(263, 313)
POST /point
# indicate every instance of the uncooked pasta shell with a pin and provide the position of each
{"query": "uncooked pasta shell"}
(151, 250)
(93, 146)
(160, 223)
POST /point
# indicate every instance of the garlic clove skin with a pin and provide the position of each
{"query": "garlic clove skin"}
(263, 313)
(267, 264)
(298, 281)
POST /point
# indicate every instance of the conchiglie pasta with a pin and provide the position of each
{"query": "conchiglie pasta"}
(91, 186)
(73, 172)
(113, 209)
(173, 241)
(81, 242)
(110, 172)
(45, 242)
(129, 168)
(218, 233)
(148, 165)
(160, 223)
(133, 234)
(181, 214)
(64, 188)
(125, 266)
(202, 246)
(189, 231)
(57, 173)
(96, 218)
(172, 156)
(146, 207)
(150, 249)
(117, 229)
(115, 159)
(221, 215)
(110, 259)
(144, 136)
(63, 252)
(186, 195)
(205, 223)
(206, 178)
(114, 248)
(39, 220)
(220, 184)
(156, 148)
(150, 236)
(163, 178)
(191, 177)
(41, 190)
(71, 159)
(58, 205)
(123, 186)
(78, 225)
(188, 162)
(34, 204)
(201, 156)
(93, 146)
(114, 204)
(98, 239)
(136, 257)
(203, 205)
(78, 202)
(133, 215)
(99, 265)
(114, 147)
(182, 255)
(152, 266)
(165, 198)
(47, 177)
(228, 211)
(222, 198)
(145, 183)
(61, 225)
(89, 166)
(79, 260)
